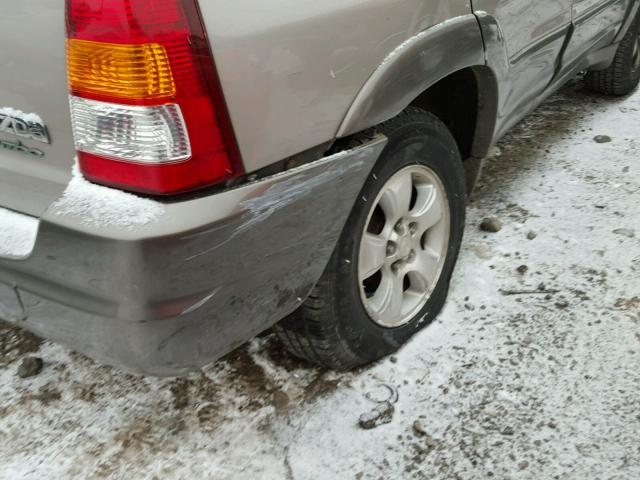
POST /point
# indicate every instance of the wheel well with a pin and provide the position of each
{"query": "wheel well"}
(455, 101)
(466, 101)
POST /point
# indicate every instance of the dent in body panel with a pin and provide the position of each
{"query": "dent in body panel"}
(280, 233)
(523, 43)
(596, 23)
(279, 237)
(266, 201)
(291, 70)
(525, 23)
(526, 74)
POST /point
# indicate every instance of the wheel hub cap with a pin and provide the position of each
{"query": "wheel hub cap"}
(403, 249)
(405, 245)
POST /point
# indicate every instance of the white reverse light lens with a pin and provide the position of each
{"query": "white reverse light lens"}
(141, 134)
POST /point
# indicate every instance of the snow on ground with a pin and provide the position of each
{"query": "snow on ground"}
(518, 386)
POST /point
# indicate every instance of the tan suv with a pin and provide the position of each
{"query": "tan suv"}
(177, 176)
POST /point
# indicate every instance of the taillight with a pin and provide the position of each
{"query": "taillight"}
(146, 106)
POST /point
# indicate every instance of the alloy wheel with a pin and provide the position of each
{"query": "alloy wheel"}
(404, 246)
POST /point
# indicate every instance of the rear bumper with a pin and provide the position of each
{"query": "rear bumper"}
(202, 278)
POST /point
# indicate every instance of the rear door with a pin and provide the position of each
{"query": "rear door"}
(534, 32)
(596, 24)
(36, 145)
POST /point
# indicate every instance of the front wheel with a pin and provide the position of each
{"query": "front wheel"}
(389, 274)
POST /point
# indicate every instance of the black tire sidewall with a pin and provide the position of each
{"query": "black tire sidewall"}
(631, 75)
(418, 138)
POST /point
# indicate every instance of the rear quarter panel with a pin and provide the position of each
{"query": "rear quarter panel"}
(290, 69)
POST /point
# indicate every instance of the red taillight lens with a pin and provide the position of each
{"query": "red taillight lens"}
(146, 106)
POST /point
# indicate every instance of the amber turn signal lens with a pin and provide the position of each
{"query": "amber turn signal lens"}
(129, 72)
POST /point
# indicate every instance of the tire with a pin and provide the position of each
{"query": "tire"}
(623, 75)
(335, 327)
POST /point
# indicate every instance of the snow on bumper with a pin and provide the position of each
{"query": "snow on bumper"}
(17, 234)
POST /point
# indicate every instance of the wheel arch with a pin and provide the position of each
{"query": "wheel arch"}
(465, 101)
(440, 68)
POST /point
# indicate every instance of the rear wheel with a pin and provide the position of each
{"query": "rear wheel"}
(389, 274)
(623, 75)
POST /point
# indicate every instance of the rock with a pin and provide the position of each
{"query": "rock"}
(30, 367)
(531, 235)
(523, 465)
(522, 269)
(602, 139)
(393, 359)
(469, 307)
(627, 232)
(508, 431)
(562, 304)
(280, 401)
(491, 224)
(382, 414)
